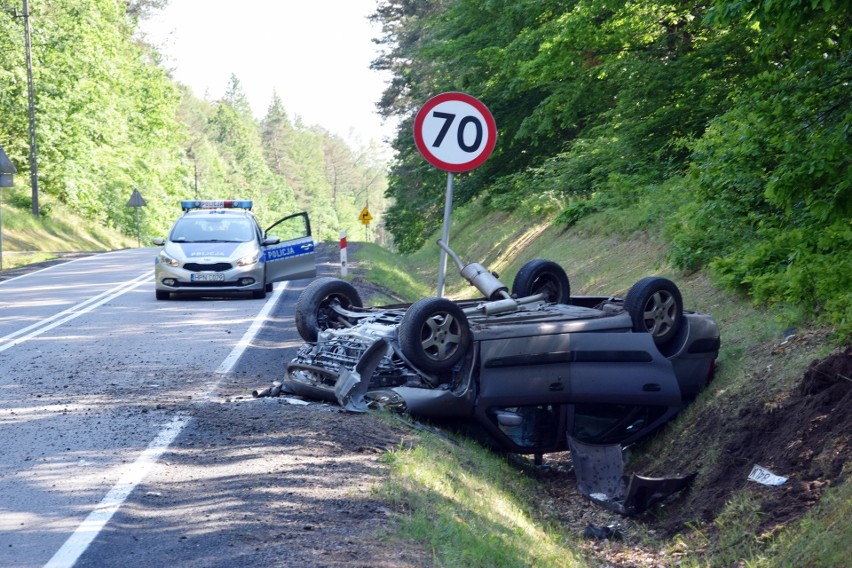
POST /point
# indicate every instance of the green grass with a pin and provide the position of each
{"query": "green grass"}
(393, 272)
(27, 240)
(467, 506)
(823, 538)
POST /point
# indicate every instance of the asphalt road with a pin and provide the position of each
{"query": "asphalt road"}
(97, 381)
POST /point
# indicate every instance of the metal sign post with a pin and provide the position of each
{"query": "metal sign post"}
(454, 132)
(445, 233)
(136, 202)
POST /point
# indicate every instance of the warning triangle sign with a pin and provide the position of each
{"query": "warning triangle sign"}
(136, 199)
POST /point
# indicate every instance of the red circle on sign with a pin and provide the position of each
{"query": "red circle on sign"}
(456, 155)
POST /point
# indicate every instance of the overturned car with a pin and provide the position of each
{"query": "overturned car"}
(532, 367)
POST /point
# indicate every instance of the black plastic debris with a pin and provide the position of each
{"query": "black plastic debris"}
(275, 390)
(609, 532)
(600, 477)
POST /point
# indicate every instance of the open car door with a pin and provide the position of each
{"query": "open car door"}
(288, 249)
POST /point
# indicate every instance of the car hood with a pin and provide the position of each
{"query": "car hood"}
(209, 251)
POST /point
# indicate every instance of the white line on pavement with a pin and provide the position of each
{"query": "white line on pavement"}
(80, 540)
(89, 529)
(56, 320)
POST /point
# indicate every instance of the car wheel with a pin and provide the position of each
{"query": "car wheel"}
(434, 334)
(258, 294)
(315, 306)
(542, 276)
(655, 306)
(162, 294)
(269, 287)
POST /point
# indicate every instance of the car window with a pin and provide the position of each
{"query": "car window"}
(611, 423)
(290, 228)
(213, 230)
(536, 425)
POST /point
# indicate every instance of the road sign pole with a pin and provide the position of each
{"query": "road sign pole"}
(445, 235)
(454, 132)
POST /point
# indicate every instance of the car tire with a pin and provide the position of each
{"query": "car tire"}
(542, 276)
(656, 307)
(258, 294)
(269, 287)
(314, 311)
(434, 334)
(162, 294)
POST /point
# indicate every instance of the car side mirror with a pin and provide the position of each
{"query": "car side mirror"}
(271, 241)
(159, 241)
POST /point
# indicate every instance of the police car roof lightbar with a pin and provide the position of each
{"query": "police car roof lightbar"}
(211, 204)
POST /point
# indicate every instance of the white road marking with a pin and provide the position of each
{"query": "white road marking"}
(63, 264)
(4, 282)
(80, 540)
(73, 312)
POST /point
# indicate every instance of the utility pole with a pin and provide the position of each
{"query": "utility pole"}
(31, 98)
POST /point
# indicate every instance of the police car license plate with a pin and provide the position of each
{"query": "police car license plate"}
(207, 277)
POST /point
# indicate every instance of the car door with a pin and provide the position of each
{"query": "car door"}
(605, 368)
(527, 381)
(288, 249)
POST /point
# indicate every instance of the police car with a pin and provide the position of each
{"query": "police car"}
(218, 246)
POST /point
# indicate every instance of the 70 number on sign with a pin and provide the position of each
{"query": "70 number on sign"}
(455, 132)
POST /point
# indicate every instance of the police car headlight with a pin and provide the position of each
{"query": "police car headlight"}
(249, 260)
(166, 259)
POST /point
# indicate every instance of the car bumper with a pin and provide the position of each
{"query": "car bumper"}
(177, 279)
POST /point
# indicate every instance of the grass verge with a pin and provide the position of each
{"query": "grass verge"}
(467, 506)
(27, 240)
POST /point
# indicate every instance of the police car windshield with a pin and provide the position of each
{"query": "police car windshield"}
(212, 230)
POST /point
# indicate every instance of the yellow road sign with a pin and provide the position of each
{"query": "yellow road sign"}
(365, 216)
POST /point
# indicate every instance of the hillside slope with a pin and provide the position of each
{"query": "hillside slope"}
(780, 400)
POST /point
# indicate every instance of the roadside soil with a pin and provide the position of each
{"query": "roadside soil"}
(308, 474)
(806, 436)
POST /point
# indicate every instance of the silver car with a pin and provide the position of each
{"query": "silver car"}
(218, 247)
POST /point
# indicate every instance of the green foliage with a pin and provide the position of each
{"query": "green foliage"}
(733, 117)
(797, 267)
(110, 120)
(771, 195)
(580, 91)
(104, 114)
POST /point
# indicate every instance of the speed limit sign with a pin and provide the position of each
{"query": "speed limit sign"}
(455, 132)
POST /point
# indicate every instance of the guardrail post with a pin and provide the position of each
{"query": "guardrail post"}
(343, 268)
